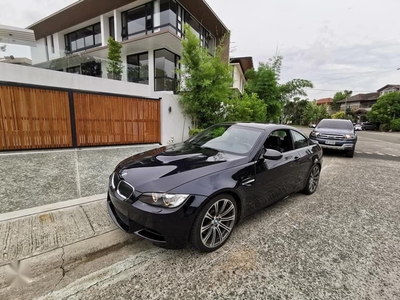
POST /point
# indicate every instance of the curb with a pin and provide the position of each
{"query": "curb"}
(54, 262)
(50, 207)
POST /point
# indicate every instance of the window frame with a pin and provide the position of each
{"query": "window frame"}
(175, 80)
(111, 32)
(294, 142)
(149, 16)
(148, 67)
(68, 39)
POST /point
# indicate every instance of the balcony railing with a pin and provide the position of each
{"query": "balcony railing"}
(77, 63)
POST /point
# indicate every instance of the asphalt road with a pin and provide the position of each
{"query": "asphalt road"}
(343, 242)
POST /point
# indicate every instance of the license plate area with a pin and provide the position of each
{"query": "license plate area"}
(330, 142)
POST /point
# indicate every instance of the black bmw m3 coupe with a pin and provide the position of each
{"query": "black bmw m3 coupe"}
(199, 190)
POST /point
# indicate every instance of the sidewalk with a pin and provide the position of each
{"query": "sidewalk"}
(45, 241)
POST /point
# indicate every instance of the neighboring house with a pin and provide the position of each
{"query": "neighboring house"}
(74, 39)
(389, 88)
(327, 102)
(359, 102)
(362, 103)
(240, 66)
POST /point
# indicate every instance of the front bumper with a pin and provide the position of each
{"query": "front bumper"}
(168, 228)
(339, 145)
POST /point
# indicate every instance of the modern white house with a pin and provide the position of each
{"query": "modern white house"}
(240, 66)
(72, 51)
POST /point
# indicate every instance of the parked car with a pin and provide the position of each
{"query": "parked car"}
(312, 125)
(368, 126)
(199, 190)
(357, 127)
(336, 134)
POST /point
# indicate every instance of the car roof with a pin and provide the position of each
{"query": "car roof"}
(262, 126)
(337, 120)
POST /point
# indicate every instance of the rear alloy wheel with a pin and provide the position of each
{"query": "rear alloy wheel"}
(313, 180)
(350, 153)
(214, 223)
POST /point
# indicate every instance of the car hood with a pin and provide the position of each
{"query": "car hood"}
(333, 131)
(166, 168)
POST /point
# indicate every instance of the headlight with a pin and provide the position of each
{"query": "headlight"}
(350, 136)
(315, 133)
(163, 200)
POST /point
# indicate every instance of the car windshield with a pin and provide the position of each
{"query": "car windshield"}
(335, 124)
(227, 137)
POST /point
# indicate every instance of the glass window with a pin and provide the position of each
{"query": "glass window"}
(75, 70)
(136, 20)
(91, 68)
(229, 138)
(97, 34)
(165, 66)
(299, 140)
(88, 33)
(112, 27)
(138, 68)
(84, 38)
(80, 39)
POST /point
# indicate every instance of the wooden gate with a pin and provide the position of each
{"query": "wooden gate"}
(32, 118)
(116, 120)
(39, 118)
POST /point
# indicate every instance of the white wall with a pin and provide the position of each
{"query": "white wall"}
(39, 52)
(36, 76)
(238, 78)
(174, 125)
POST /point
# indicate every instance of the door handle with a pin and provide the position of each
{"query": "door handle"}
(248, 182)
(296, 158)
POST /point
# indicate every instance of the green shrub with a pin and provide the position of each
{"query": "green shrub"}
(395, 125)
(384, 127)
(194, 131)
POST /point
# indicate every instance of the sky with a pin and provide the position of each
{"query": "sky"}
(338, 45)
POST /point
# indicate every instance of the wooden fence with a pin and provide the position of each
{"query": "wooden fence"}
(38, 118)
(110, 120)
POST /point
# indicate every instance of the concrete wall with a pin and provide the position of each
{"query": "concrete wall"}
(238, 78)
(29, 179)
(36, 76)
(175, 127)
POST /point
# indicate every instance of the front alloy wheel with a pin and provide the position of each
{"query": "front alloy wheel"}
(313, 180)
(214, 223)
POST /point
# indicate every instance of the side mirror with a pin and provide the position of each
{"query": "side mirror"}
(272, 154)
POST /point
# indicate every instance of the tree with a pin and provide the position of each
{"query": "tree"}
(342, 115)
(339, 96)
(114, 68)
(293, 111)
(265, 83)
(248, 108)
(386, 109)
(314, 113)
(206, 82)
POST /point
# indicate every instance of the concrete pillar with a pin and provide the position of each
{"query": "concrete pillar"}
(104, 29)
(151, 71)
(117, 25)
(157, 15)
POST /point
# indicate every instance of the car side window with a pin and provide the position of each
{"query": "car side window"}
(299, 140)
(279, 140)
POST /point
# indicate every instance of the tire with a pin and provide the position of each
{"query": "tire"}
(350, 153)
(313, 180)
(216, 230)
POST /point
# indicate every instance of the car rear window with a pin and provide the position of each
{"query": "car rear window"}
(335, 124)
